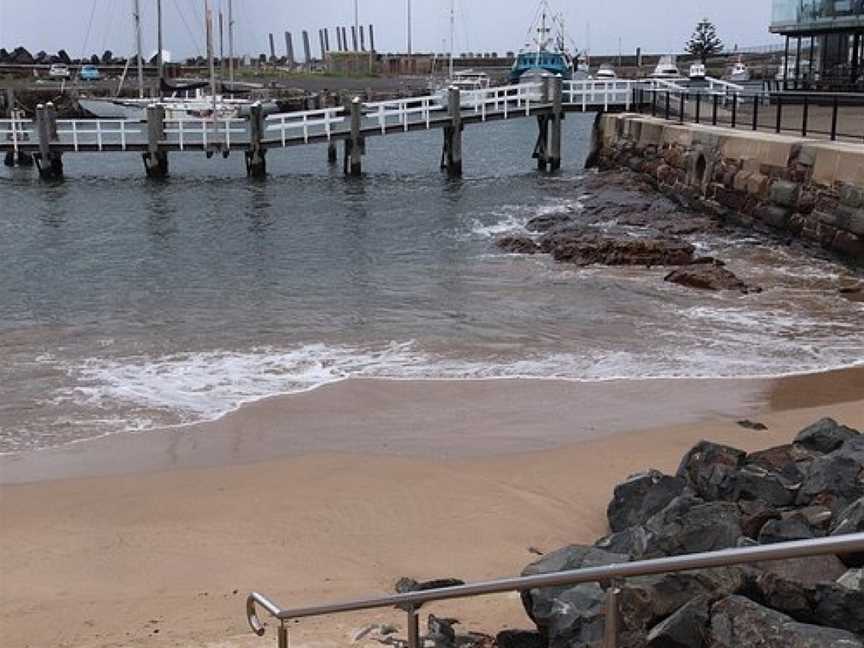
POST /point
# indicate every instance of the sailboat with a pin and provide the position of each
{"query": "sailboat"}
(547, 53)
(179, 101)
(471, 83)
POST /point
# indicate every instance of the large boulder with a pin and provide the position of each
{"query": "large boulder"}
(826, 435)
(709, 277)
(579, 618)
(788, 461)
(686, 628)
(543, 604)
(850, 520)
(644, 601)
(689, 525)
(710, 469)
(641, 496)
(787, 529)
(737, 622)
(754, 482)
(836, 479)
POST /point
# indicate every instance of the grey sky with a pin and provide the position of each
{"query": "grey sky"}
(661, 25)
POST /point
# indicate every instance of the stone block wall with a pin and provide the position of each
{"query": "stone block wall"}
(792, 186)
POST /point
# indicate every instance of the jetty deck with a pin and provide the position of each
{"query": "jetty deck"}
(45, 139)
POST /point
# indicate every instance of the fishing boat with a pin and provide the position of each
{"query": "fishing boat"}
(740, 72)
(179, 101)
(545, 52)
(667, 68)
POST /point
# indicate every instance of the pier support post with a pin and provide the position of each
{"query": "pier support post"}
(256, 156)
(557, 117)
(332, 153)
(49, 161)
(452, 153)
(354, 147)
(9, 159)
(155, 159)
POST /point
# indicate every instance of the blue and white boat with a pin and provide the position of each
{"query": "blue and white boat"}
(548, 52)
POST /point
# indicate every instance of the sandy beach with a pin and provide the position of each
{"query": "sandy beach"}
(154, 539)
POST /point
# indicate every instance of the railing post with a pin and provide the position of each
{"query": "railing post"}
(610, 638)
(780, 110)
(653, 102)
(714, 111)
(668, 104)
(698, 106)
(682, 107)
(834, 110)
(413, 628)
(155, 160)
(256, 155)
(804, 116)
(755, 115)
(282, 634)
(734, 110)
(49, 162)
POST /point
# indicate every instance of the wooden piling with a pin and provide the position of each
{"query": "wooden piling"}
(155, 159)
(557, 117)
(50, 160)
(256, 156)
(355, 150)
(453, 133)
(332, 153)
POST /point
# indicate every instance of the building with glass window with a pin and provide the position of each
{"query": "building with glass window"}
(824, 44)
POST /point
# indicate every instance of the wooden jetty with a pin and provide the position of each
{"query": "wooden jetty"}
(46, 139)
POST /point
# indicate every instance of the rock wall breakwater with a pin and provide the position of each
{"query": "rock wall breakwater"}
(794, 187)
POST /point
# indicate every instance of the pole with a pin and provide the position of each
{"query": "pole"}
(221, 42)
(208, 16)
(452, 33)
(160, 61)
(136, 8)
(230, 43)
(410, 30)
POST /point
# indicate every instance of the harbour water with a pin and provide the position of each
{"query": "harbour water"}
(127, 305)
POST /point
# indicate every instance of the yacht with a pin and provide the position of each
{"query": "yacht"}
(547, 53)
(606, 73)
(740, 72)
(697, 72)
(472, 85)
(666, 69)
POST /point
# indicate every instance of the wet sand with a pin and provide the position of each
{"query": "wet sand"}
(430, 480)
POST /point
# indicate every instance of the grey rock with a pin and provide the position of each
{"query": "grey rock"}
(836, 479)
(788, 461)
(839, 607)
(517, 244)
(804, 571)
(541, 603)
(784, 193)
(852, 579)
(709, 468)
(754, 515)
(788, 529)
(547, 222)
(686, 628)
(690, 525)
(520, 639)
(824, 436)
(578, 618)
(709, 277)
(586, 249)
(737, 622)
(631, 541)
(753, 482)
(641, 496)
(850, 520)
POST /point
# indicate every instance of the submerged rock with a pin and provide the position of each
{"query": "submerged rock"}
(517, 244)
(547, 222)
(582, 248)
(709, 277)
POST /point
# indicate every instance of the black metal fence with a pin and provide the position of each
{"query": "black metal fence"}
(838, 117)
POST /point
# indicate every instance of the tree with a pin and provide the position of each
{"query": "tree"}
(704, 42)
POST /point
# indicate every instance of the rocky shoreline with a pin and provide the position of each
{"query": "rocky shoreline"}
(627, 223)
(720, 497)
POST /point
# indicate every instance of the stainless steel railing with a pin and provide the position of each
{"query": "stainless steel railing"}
(611, 574)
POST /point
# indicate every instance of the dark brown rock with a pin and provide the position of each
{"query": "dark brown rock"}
(517, 244)
(588, 249)
(709, 277)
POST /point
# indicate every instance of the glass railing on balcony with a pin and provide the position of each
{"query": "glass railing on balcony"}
(803, 13)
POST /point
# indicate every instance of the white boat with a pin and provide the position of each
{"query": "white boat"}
(606, 73)
(583, 69)
(667, 69)
(740, 72)
(471, 84)
(697, 72)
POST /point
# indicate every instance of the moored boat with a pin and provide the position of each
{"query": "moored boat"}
(547, 53)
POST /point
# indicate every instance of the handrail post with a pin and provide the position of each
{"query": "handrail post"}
(413, 628)
(698, 107)
(282, 633)
(714, 111)
(668, 104)
(780, 109)
(835, 109)
(734, 110)
(804, 116)
(610, 635)
(755, 115)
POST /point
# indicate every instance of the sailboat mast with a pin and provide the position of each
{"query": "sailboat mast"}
(159, 60)
(208, 13)
(231, 42)
(136, 12)
(410, 30)
(452, 33)
(221, 43)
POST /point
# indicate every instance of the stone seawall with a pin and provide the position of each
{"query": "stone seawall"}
(792, 186)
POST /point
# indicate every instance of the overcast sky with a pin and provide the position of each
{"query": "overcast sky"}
(482, 25)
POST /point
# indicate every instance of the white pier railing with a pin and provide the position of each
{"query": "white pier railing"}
(96, 132)
(204, 132)
(285, 124)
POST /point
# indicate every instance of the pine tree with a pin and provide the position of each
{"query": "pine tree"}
(704, 42)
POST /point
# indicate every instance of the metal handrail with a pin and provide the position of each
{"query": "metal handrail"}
(411, 602)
